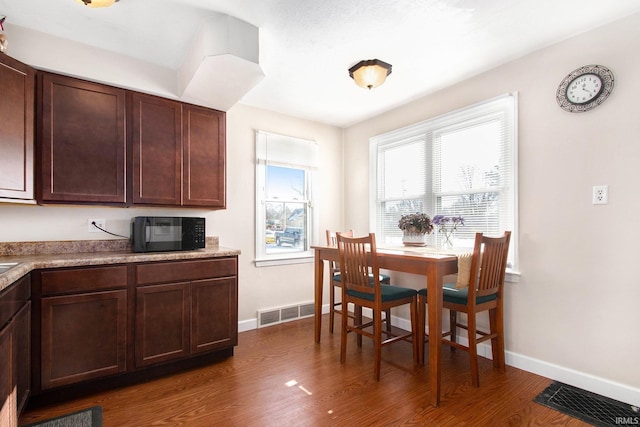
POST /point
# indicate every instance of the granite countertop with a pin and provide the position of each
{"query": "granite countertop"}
(36, 255)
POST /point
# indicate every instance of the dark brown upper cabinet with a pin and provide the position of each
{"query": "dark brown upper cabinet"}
(156, 139)
(99, 144)
(82, 141)
(178, 153)
(204, 157)
(17, 86)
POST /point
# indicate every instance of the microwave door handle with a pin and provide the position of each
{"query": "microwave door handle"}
(147, 233)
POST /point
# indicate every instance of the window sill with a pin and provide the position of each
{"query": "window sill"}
(284, 261)
(512, 276)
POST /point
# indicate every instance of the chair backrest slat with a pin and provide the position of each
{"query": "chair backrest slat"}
(358, 263)
(332, 240)
(492, 253)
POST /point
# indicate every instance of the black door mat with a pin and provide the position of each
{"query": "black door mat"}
(589, 407)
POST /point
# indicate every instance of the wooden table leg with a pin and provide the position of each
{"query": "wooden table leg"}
(317, 284)
(434, 304)
(421, 329)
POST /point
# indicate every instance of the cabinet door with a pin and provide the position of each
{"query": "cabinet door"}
(83, 141)
(83, 337)
(157, 150)
(204, 150)
(162, 323)
(22, 354)
(17, 85)
(8, 396)
(214, 311)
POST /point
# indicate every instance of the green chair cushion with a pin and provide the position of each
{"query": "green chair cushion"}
(389, 293)
(458, 296)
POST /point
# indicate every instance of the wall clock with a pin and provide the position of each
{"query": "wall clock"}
(585, 88)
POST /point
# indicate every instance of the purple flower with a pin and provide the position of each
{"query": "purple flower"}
(442, 220)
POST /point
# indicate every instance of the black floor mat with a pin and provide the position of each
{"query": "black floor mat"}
(588, 407)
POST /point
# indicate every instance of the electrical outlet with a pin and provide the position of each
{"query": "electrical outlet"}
(102, 223)
(600, 194)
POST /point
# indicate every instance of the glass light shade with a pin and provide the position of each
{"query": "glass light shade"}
(97, 3)
(370, 74)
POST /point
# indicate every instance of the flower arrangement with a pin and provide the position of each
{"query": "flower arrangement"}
(447, 225)
(419, 223)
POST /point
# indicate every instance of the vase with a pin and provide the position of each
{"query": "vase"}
(447, 243)
(414, 239)
(447, 237)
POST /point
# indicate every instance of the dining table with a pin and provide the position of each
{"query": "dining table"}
(434, 265)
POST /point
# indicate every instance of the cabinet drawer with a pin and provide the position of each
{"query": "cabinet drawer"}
(83, 279)
(162, 272)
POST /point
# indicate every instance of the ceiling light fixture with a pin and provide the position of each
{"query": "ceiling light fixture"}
(97, 3)
(371, 73)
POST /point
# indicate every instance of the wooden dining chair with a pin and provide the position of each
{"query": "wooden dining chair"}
(358, 264)
(336, 285)
(484, 293)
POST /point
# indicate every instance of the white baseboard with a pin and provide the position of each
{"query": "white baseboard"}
(585, 381)
(248, 325)
(601, 386)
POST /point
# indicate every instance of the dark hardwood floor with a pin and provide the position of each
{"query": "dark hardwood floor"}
(280, 377)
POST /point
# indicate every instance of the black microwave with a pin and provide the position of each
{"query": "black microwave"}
(167, 233)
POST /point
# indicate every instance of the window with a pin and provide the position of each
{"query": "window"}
(284, 198)
(462, 164)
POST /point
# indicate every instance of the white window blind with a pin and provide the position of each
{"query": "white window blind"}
(403, 183)
(458, 164)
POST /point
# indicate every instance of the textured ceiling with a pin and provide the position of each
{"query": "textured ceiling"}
(307, 46)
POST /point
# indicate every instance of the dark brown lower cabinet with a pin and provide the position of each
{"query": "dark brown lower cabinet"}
(214, 314)
(162, 323)
(83, 337)
(15, 366)
(124, 321)
(8, 411)
(22, 354)
(82, 324)
(196, 312)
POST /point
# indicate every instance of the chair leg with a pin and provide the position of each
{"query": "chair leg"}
(422, 318)
(358, 321)
(415, 330)
(453, 326)
(497, 343)
(343, 335)
(377, 343)
(387, 314)
(332, 306)
(473, 349)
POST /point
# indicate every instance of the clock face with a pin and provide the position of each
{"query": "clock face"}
(585, 88)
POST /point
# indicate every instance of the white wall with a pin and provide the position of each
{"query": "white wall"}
(576, 307)
(275, 286)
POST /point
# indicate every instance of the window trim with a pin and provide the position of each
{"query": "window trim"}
(427, 127)
(306, 161)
